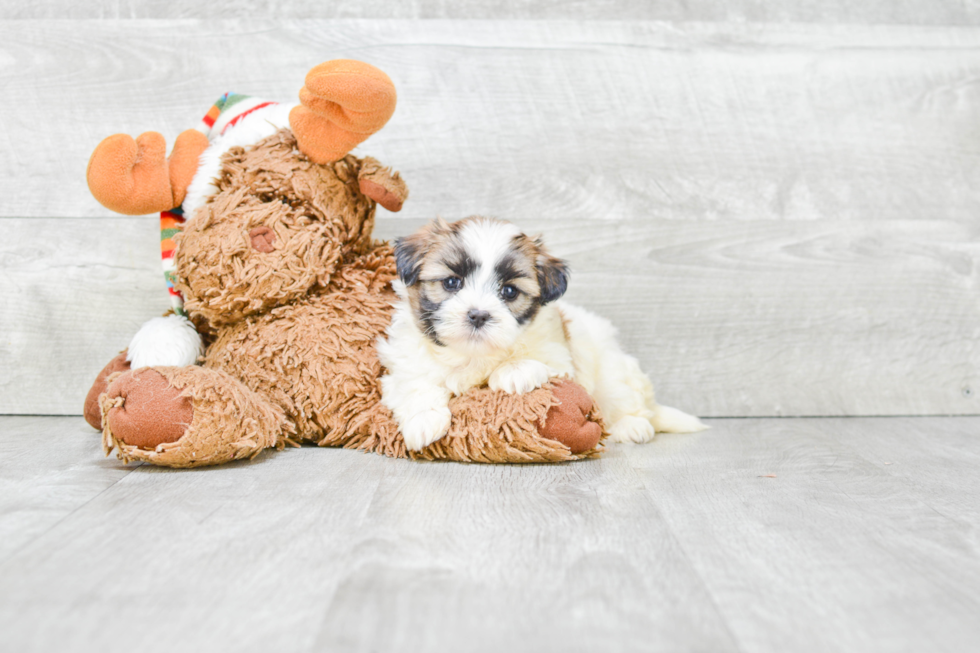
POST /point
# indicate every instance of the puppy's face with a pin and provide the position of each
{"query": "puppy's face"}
(474, 285)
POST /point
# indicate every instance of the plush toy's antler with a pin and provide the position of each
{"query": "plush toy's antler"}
(135, 177)
(343, 102)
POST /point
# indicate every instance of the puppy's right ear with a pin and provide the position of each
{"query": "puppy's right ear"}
(552, 277)
(409, 251)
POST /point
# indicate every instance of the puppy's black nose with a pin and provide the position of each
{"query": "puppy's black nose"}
(478, 318)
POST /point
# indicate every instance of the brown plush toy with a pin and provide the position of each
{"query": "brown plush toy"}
(280, 294)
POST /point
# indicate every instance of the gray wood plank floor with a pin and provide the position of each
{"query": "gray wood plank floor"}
(757, 535)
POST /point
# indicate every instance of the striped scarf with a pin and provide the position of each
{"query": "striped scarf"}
(225, 113)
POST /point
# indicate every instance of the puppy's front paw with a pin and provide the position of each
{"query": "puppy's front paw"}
(631, 429)
(425, 427)
(520, 377)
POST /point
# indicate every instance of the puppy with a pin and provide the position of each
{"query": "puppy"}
(478, 306)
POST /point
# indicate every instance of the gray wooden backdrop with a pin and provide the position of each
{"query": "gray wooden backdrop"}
(776, 202)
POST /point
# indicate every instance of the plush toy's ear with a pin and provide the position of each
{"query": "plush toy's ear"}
(343, 102)
(134, 177)
(552, 276)
(385, 187)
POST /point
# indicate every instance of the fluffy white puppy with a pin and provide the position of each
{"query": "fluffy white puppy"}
(478, 306)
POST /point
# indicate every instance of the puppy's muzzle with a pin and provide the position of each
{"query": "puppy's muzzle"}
(477, 318)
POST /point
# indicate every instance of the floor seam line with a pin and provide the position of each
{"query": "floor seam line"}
(47, 530)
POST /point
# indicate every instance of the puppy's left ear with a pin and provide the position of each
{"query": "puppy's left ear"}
(552, 276)
(409, 251)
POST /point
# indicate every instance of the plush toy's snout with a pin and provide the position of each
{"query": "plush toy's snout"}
(262, 239)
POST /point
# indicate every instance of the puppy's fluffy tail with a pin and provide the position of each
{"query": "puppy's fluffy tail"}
(670, 420)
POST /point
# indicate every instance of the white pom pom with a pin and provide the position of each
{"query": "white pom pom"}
(167, 341)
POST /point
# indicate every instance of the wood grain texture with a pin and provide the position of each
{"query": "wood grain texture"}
(49, 467)
(77, 291)
(552, 119)
(915, 12)
(756, 536)
(829, 534)
(729, 319)
(316, 549)
(781, 219)
(785, 318)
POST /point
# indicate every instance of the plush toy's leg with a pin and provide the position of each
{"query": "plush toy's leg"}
(186, 417)
(555, 423)
(93, 413)
(343, 102)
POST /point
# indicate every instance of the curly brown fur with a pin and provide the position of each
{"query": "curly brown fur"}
(310, 209)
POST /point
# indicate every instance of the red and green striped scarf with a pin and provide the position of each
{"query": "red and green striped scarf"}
(225, 113)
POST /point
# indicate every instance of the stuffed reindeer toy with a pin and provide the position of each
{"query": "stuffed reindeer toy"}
(280, 294)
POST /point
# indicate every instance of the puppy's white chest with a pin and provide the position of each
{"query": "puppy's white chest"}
(470, 375)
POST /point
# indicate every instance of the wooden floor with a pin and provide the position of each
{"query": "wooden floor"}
(832, 534)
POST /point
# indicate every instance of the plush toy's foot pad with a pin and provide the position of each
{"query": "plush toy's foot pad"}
(569, 421)
(93, 414)
(151, 411)
(187, 417)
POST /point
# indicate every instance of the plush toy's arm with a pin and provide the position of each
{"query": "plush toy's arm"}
(381, 184)
(135, 177)
(554, 423)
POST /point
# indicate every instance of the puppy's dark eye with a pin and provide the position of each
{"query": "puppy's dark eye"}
(509, 293)
(452, 284)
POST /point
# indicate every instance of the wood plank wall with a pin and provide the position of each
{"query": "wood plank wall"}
(777, 205)
(869, 12)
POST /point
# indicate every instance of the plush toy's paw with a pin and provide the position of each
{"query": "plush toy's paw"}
(520, 376)
(93, 414)
(631, 429)
(568, 421)
(146, 410)
(425, 427)
(343, 102)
